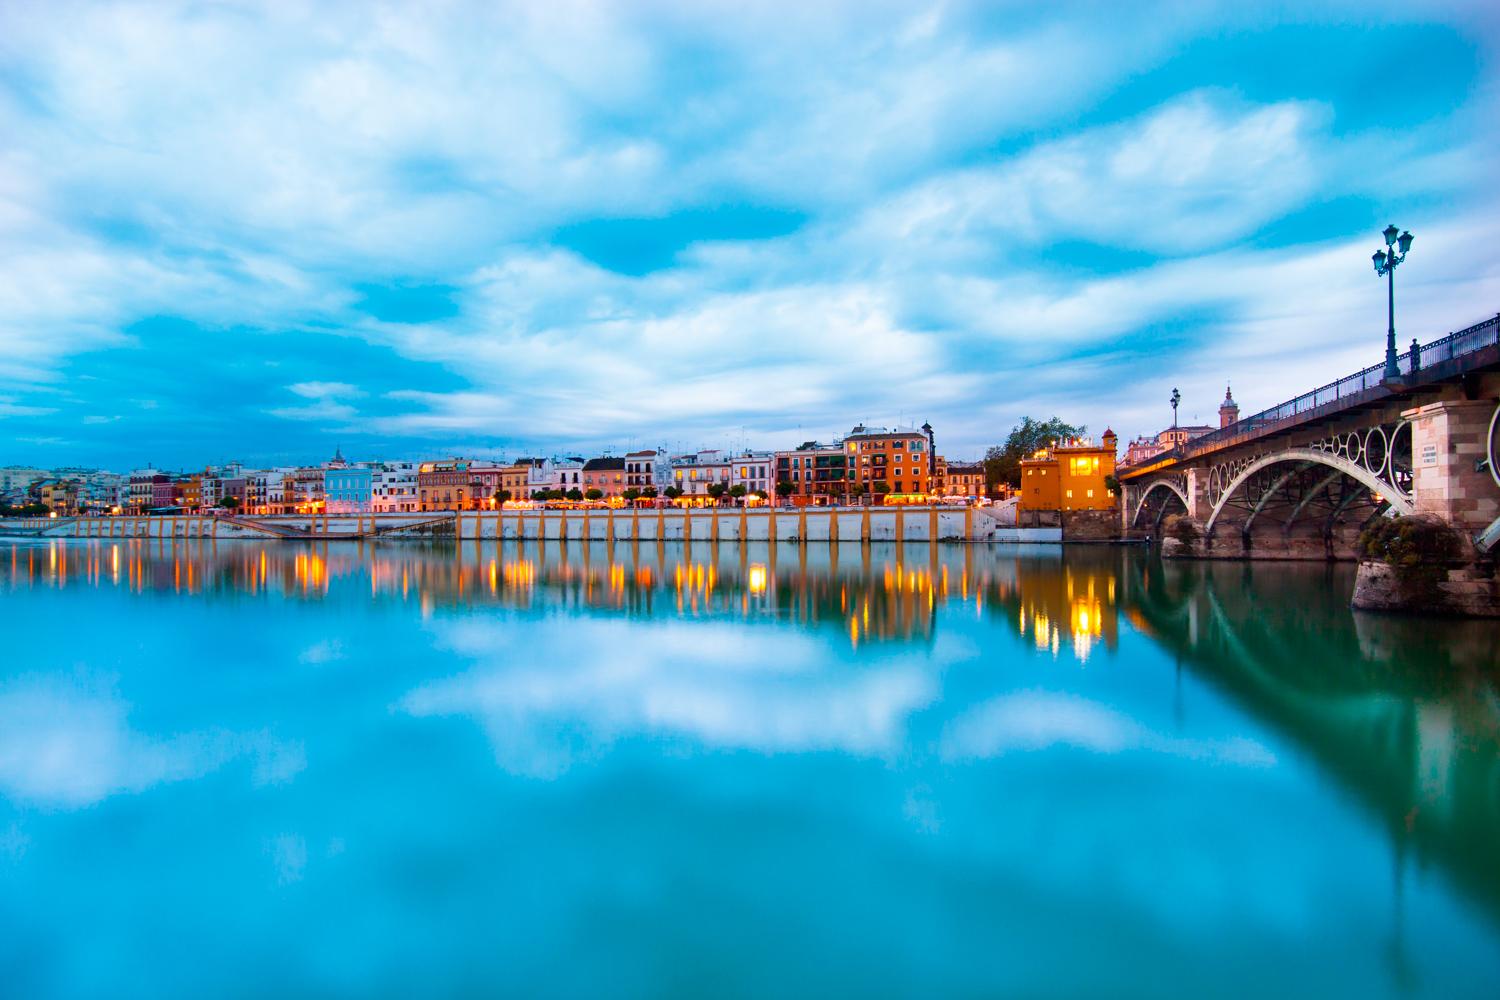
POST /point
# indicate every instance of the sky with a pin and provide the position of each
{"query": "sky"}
(260, 231)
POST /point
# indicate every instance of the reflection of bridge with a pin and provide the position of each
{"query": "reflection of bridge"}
(1412, 729)
(1302, 478)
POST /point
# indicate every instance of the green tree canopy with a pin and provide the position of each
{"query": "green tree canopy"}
(575, 494)
(673, 492)
(632, 495)
(1002, 463)
(785, 488)
(594, 493)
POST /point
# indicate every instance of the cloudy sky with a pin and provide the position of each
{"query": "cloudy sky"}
(261, 230)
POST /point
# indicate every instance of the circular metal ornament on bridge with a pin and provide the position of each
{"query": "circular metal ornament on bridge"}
(1492, 445)
(1377, 452)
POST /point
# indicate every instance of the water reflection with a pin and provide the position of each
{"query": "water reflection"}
(1182, 757)
(875, 593)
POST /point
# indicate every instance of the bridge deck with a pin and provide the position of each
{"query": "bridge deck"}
(1472, 349)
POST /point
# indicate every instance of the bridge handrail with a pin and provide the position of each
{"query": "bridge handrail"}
(1485, 333)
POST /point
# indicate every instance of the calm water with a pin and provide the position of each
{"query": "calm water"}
(272, 771)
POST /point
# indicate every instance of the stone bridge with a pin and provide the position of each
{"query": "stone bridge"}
(1302, 479)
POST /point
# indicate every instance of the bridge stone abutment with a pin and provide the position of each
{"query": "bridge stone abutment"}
(1451, 474)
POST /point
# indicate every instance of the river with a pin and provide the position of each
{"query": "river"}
(284, 769)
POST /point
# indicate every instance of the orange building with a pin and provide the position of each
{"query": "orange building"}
(889, 462)
(1070, 476)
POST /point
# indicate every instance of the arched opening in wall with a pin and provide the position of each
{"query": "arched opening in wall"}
(1304, 506)
(1159, 501)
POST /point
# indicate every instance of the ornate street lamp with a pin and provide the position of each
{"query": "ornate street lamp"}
(1176, 398)
(1385, 266)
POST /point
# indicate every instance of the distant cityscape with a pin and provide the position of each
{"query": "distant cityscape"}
(869, 465)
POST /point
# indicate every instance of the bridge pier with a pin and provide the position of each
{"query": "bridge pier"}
(1449, 449)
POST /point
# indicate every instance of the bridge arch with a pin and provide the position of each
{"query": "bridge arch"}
(1165, 491)
(1299, 460)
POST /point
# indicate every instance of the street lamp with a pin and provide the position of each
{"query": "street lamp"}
(1176, 398)
(1385, 265)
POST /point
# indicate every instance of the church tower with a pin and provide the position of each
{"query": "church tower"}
(1229, 410)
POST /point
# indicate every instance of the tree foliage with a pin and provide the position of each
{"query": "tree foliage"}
(1002, 463)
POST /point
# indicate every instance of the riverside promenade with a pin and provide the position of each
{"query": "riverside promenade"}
(790, 525)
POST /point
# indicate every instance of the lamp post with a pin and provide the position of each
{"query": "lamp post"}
(1176, 398)
(1385, 265)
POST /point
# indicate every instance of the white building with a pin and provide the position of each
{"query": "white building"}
(19, 478)
(393, 490)
(565, 474)
(695, 473)
(754, 470)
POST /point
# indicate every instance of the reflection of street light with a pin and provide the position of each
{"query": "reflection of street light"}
(1176, 398)
(1385, 266)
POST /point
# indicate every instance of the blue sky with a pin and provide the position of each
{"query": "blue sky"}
(256, 231)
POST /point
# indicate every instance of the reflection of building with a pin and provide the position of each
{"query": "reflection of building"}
(1068, 605)
(1070, 476)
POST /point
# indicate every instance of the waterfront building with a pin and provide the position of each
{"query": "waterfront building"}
(188, 491)
(444, 485)
(818, 473)
(18, 478)
(138, 490)
(648, 470)
(604, 474)
(393, 487)
(897, 461)
(1070, 475)
(963, 479)
(753, 470)
(59, 495)
(694, 473)
(538, 473)
(302, 490)
(265, 490)
(487, 480)
(347, 489)
(565, 474)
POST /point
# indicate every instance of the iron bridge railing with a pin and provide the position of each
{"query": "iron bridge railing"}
(1295, 411)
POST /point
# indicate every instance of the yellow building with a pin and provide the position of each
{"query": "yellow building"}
(1070, 475)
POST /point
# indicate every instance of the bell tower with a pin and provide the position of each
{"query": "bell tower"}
(1229, 410)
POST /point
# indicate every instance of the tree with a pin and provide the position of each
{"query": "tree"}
(230, 503)
(502, 497)
(1002, 463)
(786, 488)
(593, 493)
(575, 494)
(672, 492)
(762, 494)
(738, 491)
(539, 494)
(632, 495)
(649, 492)
(717, 490)
(882, 487)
